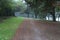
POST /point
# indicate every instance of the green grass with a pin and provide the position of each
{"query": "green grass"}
(8, 27)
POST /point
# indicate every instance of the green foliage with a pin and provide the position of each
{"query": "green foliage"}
(38, 6)
(57, 8)
(19, 4)
(7, 7)
(42, 7)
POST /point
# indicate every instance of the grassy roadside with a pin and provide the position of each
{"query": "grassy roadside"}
(8, 27)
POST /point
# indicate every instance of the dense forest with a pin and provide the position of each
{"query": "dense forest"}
(39, 7)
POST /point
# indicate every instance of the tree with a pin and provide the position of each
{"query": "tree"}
(52, 4)
(45, 6)
(34, 4)
(7, 7)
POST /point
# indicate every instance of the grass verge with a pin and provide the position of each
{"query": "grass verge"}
(8, 27)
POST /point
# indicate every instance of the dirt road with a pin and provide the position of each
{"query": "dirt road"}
(38, 30)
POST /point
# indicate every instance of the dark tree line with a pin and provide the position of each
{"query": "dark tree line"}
(43, 7)
(6, 8)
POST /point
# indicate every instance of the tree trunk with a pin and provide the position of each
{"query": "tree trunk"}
(28, 15)
(53, 14)
(54, 19)
(48, 17)
(58, 18)
(35, 15)
(12, 14)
